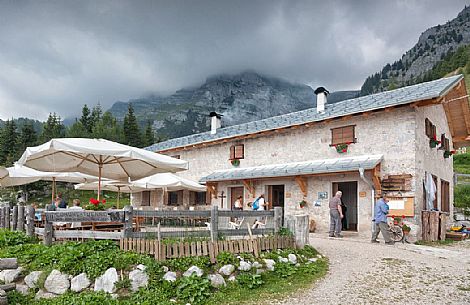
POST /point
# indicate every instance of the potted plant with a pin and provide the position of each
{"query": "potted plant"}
(406, 229)
(448, 153)
(96, 205)
(302, 204)
(341, 148)
(433, 142)
(235, 162)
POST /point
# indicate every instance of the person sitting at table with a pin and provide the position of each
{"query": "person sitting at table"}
(76, 206)
(53, 205)
(62, 203)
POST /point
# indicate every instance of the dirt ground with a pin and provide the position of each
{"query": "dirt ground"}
(365, 273)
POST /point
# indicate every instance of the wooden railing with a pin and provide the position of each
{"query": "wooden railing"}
(162, 251)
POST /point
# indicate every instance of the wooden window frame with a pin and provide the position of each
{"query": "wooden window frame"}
(147, 203)
(445, 196)
(237, 152)
(343, 140)
(434, 203)
(178, 194)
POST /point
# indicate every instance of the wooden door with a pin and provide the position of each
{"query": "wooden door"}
(235, 192)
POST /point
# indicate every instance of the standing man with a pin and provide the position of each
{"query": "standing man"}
(380, 221)
(336, 214)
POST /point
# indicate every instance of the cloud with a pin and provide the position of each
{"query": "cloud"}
(58, 55)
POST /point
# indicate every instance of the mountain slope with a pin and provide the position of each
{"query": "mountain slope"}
(432, 47)
(239, 98)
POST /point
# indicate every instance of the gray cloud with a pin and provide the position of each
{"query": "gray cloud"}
(57, 55)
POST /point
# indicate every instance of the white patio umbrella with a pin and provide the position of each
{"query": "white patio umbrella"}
(112, 186)
(170, 182)
(19, 175)
(100, 158)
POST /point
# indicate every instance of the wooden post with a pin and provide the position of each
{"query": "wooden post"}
(6, 212)
(14, 218)
(214, 223)
(21, 218)
(48, 232)
(128, 221)
(277, 219)
(30, 221)
(2, 209)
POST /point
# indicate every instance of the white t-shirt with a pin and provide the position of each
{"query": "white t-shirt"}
(238, 204)
(262, 204)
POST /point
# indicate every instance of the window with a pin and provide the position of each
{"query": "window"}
(343, 135)
(430, 129)
(434, 203)
(237, 151)
(445, 196)
(175, 198)
(145, 199)
(197, 198)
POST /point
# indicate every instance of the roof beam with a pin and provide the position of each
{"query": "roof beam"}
(303, 184)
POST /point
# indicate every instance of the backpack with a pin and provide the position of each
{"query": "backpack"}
(256, 204)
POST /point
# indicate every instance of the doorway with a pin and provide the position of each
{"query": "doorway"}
(235, 192)
(276, 196)
(349, 201)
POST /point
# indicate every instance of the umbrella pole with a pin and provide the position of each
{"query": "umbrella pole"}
(53, 189)
(99, 180)
(119, 195)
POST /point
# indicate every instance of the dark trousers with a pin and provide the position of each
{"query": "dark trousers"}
(335, 222)
(384, 228)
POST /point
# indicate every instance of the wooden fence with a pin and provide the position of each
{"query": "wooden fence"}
(22, 218)
(433, 225)
(162, 251)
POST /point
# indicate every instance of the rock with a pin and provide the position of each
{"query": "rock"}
(292, 258)
(319, 256)
(79, 283)
(57, 282)
(313, 259)
(227, 269)
(232, 278)
(10, 275)
(297, 265)
(141, 267)
(41, 294)
(170, 276)
(244, 266)
(269, 264)
(256, 265)
(138, 279)
(23, 289)
(283, 259)
(107, 282)
(194, 269)
(217, 280)
(3, 297)
(259, 271)
(165, 269)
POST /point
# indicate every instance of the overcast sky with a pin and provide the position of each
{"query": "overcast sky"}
(56, 56)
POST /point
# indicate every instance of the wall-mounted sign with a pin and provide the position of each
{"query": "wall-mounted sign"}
(317, 203)
(322, 195)
(362, 194)
(288, 195)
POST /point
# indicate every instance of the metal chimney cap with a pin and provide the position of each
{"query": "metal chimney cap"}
(321, 90)
(213, 113)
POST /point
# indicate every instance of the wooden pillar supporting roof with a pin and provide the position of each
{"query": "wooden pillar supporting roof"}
(376, 179)
(303, 184)
(212, 189)
(250, 186)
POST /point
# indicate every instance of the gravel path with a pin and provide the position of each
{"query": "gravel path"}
(365, 273)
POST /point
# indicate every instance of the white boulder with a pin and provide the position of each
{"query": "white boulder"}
(232, 278)
(107, 282)
(141, 267)
(138, 279)
(244, 266)
(80, 282)
(23, 289)
(283, 259)
(32, 279)
(194, 269)
(313, 259)
(256, 265)
(170, 276)
(217, 280)
(41, 294)
(227, 269)
(10, 275)
(269, 264)
(57, 282)
(292, 258)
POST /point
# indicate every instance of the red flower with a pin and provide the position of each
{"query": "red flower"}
(94, 201)
(344, 150)
(434, 137)
(402, 216)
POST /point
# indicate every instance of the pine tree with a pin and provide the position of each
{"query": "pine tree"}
(86, 119)
(27, 137)
(53, 128)
(132, 135)
(77, 130)
(108, 128)
(8, 143)
(96, 115)
(149, 137)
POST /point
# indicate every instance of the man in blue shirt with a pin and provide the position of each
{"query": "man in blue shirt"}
(380, 221)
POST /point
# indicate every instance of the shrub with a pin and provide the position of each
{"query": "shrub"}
(285, 232)
(225, 258)
(193, 289)
(13, 238)
(182, 264)
(250, 280)
(284, 270)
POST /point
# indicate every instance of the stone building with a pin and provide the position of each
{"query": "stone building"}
(362, 146)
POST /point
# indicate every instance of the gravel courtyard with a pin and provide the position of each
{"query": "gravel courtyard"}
(365, 273)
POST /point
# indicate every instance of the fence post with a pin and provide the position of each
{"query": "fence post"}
(6, 213)
(48, 231)
(30, 221)
(277, 219)
(14, 218)
(2, 217)
(21, 218)
(128, 221)
(214, 223)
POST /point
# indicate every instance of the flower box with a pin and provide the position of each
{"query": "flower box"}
(433, 142)
(235, 162)
(341, 148)
(302, 204)
(448, 153)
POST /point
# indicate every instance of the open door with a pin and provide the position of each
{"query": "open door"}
(349, 201)
(235, 192)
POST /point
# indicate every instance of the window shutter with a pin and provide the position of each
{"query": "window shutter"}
(343, 135)
(434, 132)
(239, 151)
(443, 139)
(447, 145)
(232, 152)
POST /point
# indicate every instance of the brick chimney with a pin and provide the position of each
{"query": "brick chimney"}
(215, 121)
(321, 93)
